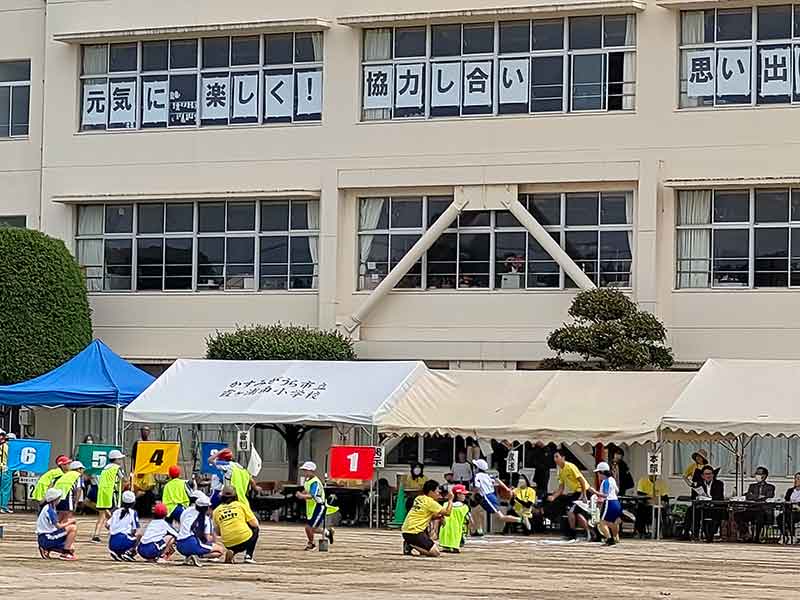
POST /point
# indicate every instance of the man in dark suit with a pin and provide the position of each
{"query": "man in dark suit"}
(760, 491)
(709, 488)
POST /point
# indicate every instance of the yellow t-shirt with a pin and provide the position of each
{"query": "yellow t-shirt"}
(527, 494)
(411, 483)
(653, 490)
(420, 515)
(231, 520)
(690, 469)
(570, 476)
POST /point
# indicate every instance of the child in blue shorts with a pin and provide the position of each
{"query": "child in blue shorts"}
(123, 529)
(158, 542)
(611, 513)
(195, 538)
(55, 535)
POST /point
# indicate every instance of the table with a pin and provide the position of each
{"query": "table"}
(718, 509)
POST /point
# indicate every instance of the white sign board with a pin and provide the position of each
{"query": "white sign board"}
(733, 72)
(445, 84)
(123, 104)
(700, 73)
(654, 463)
(309, 92)
(409, 86)
(215, 99)
(243, 440)
(245, 96)
(378, 86)
(478, 83)
(512, 461)
(154, 102)
(775, 71)
(513, 76)
(95, 104)
(279, 94)
(380, 457)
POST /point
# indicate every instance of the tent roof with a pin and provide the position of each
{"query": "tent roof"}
(563, 406)
(94, 377)
(738, 397)
(301, 392)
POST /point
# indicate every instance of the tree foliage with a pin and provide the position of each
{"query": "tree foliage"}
(281, 342)
(609, 332)
(44, 312)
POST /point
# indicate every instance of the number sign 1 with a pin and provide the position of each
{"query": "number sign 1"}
(352, 462)
(155, 458)
(28, 455)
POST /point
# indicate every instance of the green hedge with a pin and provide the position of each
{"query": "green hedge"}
(279, 342)
(44, 312)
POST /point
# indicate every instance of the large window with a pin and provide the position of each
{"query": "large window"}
(738, 238)
(15, 94)
(737, 56)
(780, 455)
(16, 221)
(491, 249)
(202, 246)
(539, 66)
(221, 81)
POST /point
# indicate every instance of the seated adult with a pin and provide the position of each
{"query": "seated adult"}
(760, 491)
(424, 510)
(791, 516)
(652, 488)
(412, 482)
(237, 525)
(709, 489)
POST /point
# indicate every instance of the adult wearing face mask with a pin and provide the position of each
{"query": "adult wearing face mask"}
(413, 482)
(760, 491)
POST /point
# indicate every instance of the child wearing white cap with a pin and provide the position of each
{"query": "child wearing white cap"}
(485, 484)
(109, 487)
(195, 537)
(316, 506)
(123, 529)
(612, 508)
(54, 534)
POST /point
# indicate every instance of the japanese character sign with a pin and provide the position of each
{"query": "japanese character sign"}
(154, 102)
(478, 83)
(309, 92)
(276, 387)
(244, 94)
(654, 463)
(95, 104)
(775, 71)
(279, 95)
(445, 84)
(513, 76)
(123, 104)
(215, 103)
(409, 86)
(700, 73)
(733, 72)
(378, 86)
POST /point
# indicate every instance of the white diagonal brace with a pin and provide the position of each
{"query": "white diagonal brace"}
(399, 271)
(550, 246)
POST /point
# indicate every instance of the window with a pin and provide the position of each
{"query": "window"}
(740, 56)
(434, 450)
(738, 238)
(275, 78)
(491, 249)
(15, 93)
(778, 455)
(19, 222)
(514, 67)
(203, 246)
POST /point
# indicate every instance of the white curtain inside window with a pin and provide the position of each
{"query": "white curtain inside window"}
(694, 245)
(369, 215)
(692, 27)
(718, 456)
(90, 259)
(629, 219)
(771, 453)
(629, 81)
(630, 30)
(377, 46)
(312, 208)
(316, 41)
(90, 220)
(95, 60)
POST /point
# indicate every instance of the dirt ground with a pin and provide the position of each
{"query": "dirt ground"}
(369, 564)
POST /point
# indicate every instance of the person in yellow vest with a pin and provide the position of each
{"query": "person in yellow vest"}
(236, 476)
(71, 486)
(45, 482)
(109, 491)
(316, 506)
(175, 495)
(455, 527)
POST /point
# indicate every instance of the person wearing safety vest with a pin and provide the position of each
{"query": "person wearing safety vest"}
(454, 528)
(109, 490)
(71, 486)
(316, 507)
(45, 482)
(236, 476)
(175, 495)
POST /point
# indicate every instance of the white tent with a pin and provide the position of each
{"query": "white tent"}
(302, 392)
(730, 398)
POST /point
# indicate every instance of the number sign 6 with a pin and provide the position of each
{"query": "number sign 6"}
(27, 456)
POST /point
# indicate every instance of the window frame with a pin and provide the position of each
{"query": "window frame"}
(492, 229)
(12, 86)
(196, 235)
(261, 69)
(565, 52)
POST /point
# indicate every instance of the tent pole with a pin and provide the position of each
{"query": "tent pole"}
(116, 426)
(371, 481)
(74, 427)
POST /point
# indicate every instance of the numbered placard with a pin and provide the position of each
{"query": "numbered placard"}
(352, 462)
(155, 458)
(95, 456)
(205, 453)
(28, 455)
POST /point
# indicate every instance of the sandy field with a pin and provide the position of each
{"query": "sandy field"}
(369, 564)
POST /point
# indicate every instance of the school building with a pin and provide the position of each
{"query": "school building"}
(435, 179)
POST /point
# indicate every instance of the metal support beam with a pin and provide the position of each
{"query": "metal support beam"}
(550, 246)
(404, 266)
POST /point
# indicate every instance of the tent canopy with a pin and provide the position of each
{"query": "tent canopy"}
(300, 392)
(737, 397)
(547, 406)
(94, 377)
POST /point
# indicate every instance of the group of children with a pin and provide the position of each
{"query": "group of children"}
(431, 528)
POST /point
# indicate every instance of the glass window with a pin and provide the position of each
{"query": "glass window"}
(239, 263)
(182, 100)
(95, 60)
(581, 246)
(474, 218)
(274, 216)
(731, 206)
(615, 258)
(180, 217)
(473, 260)
(211, 217)
(614, 208)
(546, 208)
(585, 32)
(245, 51)
(14, 98)
(772, 206)
(406, 212)
(588, 81)
(20, 109)
(445, 40)
(772, 257)
(438, 450)
(410, 41)
(178, 259)
(118, 260)
(155, 56)
(543, 271)
(305, 214)
(515, 36)
(123, 57)
(734, 24)
(150, 218)
(582, 209)
(510, 253)
(279, 48)
(119, 218)
(308, 46)
(216, 52)
(619, 30)
(210, 263)
(795, 210)
(479, 38)
(274, 262)
(547, 84)
(731, 251)
(150, 264)
(442, 261)
(774, 22)
(241, 216)
(548, 34)
(405, 452)
(13, 221)
(183, 54)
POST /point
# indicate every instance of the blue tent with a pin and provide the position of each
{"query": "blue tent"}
(94, 377)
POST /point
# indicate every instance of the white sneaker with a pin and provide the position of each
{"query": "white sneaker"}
(248, 560)
(191, 560)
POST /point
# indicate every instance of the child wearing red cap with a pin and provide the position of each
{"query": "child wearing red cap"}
(451, 534)
(158, 541)
(175, 495)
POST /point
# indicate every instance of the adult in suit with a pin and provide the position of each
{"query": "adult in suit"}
(702, 520)
(760, 491)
